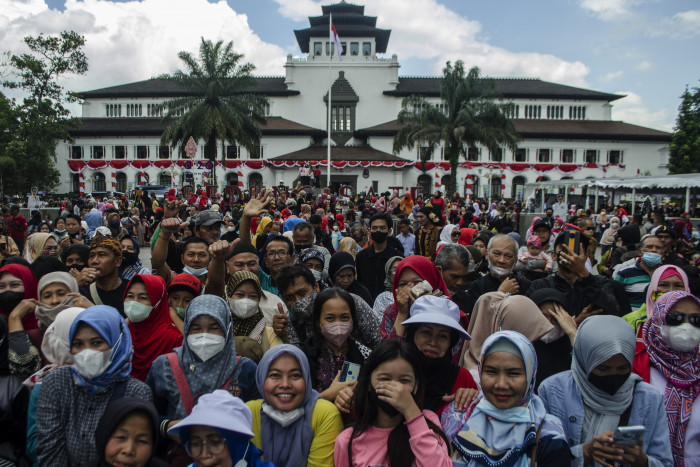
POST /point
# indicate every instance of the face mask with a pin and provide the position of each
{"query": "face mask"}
(129, 258)
(651, 259)
(92, 363)
(136, 312)
(549, 214)
(474, 266)
(553, 335)
(9, 300)
(114, 224)
(499, 272)
(336, 333)
(304, 306)
(195, 272)
(317, 274)
(609, 383)
(205, 345)
(283, 418)
(78, 267)
(180, 310)
(335, 228)
(60, 231)
(614, 226)
(379, 237)
(684, 338)
(386, 407)
(243, 308)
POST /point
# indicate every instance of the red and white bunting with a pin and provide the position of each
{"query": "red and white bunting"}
(114, 180)
(81, 184)
(142, 178)
(240, 180)
(503, 186)
(470, 184)
(437, 180)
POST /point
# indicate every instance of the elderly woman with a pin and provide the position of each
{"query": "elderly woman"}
(600, 393)
(342, 273)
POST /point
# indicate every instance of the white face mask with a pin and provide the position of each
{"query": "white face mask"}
(283, 418)
(317, 274)
(553, 335)
(92, 363)
(205, 345)
(195, 272)
(499, 272)
(243, 308)
(684, 338)
(136, 312)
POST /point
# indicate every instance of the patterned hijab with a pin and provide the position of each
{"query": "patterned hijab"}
(244, 327)
(681, 369)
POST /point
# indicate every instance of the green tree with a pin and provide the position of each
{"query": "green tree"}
(473, 114)
(42, 118)
(220, 107)
(685, 142)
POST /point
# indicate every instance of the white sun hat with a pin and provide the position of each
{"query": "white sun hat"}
(429, 309)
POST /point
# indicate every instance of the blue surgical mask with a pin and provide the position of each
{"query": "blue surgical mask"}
(195, 272)
(651, 259)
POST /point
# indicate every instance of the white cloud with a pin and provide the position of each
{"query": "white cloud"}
(645, 66)
(613, 75)
(683, 25)
(427, 30)
(632, 109)
(608, 10)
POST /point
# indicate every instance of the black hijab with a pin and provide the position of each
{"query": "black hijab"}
(4, 347)
(344, 260)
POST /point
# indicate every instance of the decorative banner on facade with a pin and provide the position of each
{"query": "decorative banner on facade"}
(191, 148)
(142, 179)
(114, 180)
(81, 183)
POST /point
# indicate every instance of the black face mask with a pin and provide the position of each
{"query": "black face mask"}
(386, 407)
(300, 248)
(129, 257)
(379, 237)
(549, 214)
(78, 267)
(609, 383)
(114, 224)
(9, 300)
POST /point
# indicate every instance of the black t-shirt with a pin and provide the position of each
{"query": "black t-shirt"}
(113, 298)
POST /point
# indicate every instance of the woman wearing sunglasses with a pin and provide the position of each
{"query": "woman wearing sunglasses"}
(672, 335)
(450, 234)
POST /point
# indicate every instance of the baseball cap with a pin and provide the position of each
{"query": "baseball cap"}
(186, 282)
(207, 218)
(436, 310)
(541, 223)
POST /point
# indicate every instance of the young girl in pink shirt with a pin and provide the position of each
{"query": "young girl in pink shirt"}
(391, 429)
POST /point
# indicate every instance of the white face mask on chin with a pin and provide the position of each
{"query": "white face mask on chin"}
(499, 272)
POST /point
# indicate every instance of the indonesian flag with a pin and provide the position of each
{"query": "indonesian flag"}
(336, 39)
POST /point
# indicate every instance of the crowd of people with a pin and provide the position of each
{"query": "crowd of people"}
(302, 327)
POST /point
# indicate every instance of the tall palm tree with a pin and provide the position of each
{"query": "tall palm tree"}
(219, 107)
(473, 114)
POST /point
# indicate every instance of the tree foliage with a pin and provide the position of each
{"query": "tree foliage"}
(473, 115)
(32, 129)
(685, 142)
(219, 107)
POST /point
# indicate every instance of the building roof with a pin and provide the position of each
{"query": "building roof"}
(159, 87)
(555, 129)
(339, 153)
(509, 88)
(349, 21)
(139, 126)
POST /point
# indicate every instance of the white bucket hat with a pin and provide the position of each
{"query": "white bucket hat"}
(429, 309)
(221, 410)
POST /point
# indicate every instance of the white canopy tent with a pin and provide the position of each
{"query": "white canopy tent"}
(677, 182)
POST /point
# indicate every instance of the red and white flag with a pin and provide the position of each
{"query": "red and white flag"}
(336, 39)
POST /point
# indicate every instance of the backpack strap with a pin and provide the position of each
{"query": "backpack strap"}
(533, 457)
(119, 391)
(625, 417)
(95, 295)
(181, 381)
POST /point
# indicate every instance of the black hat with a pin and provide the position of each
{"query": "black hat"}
(541, 223)
(545, 295)
(666, 230)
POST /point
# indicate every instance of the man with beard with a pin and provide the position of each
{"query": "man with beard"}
(502, 254)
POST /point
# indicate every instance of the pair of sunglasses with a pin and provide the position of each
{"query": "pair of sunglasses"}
(676, 318)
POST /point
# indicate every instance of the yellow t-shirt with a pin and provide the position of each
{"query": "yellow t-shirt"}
(325, 423)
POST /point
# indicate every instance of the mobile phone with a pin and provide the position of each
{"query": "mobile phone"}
(628, 435)
(349, 372)
(573, 240)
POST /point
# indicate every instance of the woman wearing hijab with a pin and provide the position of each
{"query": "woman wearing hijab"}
(342, 273)
(73, 399)
(299, 428)
(17, 283)
(262, 230)
(315, 261)
(449, 234)
(608, 238)
(507, 424)
(127, 435)
(41, 243)
(496, 311)
(600, 393)
(350, 245)
(672, 335)
(386, 298)
(466, 235)
(406, 204)
(131, 264)
(152, 331)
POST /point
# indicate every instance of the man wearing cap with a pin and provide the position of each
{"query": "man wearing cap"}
(560, 208)
(182, 290)
(668, 238)
(102, 273)
(207, 225)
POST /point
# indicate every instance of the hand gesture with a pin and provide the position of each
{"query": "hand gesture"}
(280, 322)
(344, 401)
(565, 321)
(509, 286)
(399, 396)
(601, 449)
(87, 276)
(336, 386)
(79, 300)
(258, 204)
(634, 455)
(220, 249)
(172, 225)
(462, 397)
(588, 311)
(171, 209)
(404, 299)
(24, 307)
(576, 263)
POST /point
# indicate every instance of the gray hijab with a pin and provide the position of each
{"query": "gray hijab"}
(389, 284)
(598, 339)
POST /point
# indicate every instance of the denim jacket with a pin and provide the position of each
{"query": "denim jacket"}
(562, 399)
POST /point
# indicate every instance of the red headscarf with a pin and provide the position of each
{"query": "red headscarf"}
(29, 281)
(425, 269)
(156, 335)
(465, 236)
(340, 219)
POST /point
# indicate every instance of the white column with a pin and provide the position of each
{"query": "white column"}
(634, 198)
(596, 199)
(687, 199)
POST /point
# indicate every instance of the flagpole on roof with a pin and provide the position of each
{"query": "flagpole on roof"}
(330, 85)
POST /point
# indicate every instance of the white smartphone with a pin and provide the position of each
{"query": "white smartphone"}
(628, 435)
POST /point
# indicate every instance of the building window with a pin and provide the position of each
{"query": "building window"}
(233, 152)
(99, 182)
(232, 179)
(533, 111)
(518, 187)
(76, 152)
(577, 112)
(555, 111)
(255, 181)
(615, 156)
(354, 48)
(266, 109)
(497, 156)
(318, 48)
(257, 152)
(120, 152)
(163, 152)
(75, 179)
(366, 49)
(567, 156)
(496, 186)
(134, 110)
(424, 153)
(113, 110)
(165, 179)
(543, 156)
(512, 111)
(344, 46)
(591, 156)
(121, 182)
(475, 186)
(520, 155)
(97, 152)
(473, 154)
(142, 152)
(341, 118)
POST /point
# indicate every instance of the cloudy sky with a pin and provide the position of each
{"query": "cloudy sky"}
(646, 49)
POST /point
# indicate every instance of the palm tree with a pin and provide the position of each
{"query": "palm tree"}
(219, 107)
(473, 114)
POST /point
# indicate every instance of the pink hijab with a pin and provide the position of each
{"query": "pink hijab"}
(663, 272)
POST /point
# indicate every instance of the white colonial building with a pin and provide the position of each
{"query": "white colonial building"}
(566, 132)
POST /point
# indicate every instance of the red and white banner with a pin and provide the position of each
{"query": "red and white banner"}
(437, 180)
(503, 186)
(142, 179)
(240, 180)
(114, 180)
(81, 184)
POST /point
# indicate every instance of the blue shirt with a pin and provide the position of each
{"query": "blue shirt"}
(409, 243)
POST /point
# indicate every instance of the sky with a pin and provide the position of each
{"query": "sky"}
(644, 49)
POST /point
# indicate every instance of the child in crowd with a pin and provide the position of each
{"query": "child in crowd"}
(534, 260)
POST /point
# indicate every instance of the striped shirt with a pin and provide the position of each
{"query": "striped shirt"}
(635, 279)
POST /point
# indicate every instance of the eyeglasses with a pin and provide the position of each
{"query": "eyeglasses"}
(278, 254)
(676, 318)
(214, 444)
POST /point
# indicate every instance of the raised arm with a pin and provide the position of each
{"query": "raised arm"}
(160, 248)
(257, 205)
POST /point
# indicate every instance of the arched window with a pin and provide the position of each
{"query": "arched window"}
(232, 178)
(476, 187)
(121, 182)
(255, 181)
(99, 182)
(144, 175)
(76, 183)
(518, 187)
(424, 181)
(164, 179)
(446, 181)
(495, 186)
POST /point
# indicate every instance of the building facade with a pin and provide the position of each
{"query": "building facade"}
(566, 132)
